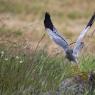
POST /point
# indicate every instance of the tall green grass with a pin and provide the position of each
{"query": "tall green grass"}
(34, 74)
(25, 75)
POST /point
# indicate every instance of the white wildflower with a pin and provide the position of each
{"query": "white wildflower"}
(17, 57)
(6, 59)
(20, 61)
(2, 53)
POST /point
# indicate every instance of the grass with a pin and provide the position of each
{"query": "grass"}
(87, 63)
(10, 32)
(33, 11)
(7, 6)
(24, 74)
(11, 7)
(36, 8)
(16, 7)
(74, 15)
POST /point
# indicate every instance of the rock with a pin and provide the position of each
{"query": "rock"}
(78, 85)
(83, 84)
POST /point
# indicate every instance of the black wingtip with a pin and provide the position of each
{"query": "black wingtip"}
(47, 21)
(47, 15)
(91, 20)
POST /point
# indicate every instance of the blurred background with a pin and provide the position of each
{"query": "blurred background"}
(25, 65)
(22, 21)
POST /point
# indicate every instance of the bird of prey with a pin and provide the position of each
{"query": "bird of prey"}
(71, 54)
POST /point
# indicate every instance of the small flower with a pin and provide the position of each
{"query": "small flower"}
(6, 59)
(2, 53)
(17, 57)
(20, 61)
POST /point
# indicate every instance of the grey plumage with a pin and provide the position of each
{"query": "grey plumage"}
(71, 54)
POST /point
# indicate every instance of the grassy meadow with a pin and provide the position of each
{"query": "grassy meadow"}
(29, 66)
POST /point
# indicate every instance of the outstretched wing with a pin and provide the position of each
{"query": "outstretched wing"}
(54, 35)
(79, 43)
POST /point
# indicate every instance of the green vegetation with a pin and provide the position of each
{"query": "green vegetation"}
(74, 15)
(24, 74)
(24, 71)
(21, 7)
(10, 32)
(87, 63)
(7, 6)
(37, 8)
